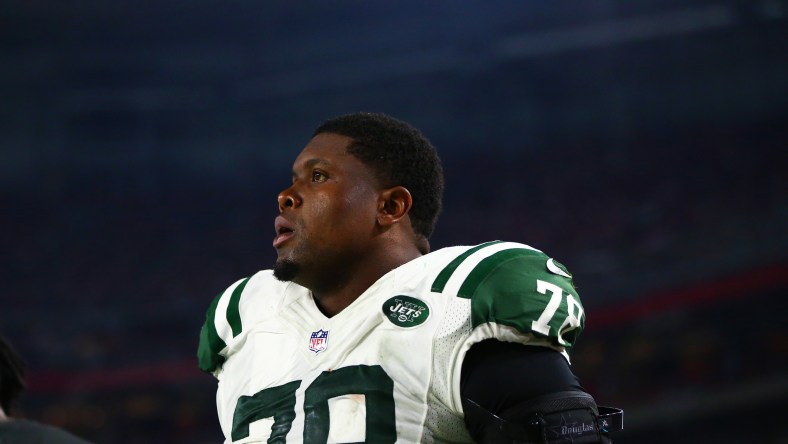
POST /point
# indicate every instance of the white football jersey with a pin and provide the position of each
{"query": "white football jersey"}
(387, 368)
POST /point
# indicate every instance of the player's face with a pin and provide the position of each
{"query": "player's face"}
(328, 214)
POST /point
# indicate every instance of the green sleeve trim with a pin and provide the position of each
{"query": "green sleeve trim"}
(233, 312)
(445, 274)
(485, 267)
(208, 357)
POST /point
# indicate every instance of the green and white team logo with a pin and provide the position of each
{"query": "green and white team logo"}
(406, 311)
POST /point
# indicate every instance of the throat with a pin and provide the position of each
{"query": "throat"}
(342, 288)
(330, 304)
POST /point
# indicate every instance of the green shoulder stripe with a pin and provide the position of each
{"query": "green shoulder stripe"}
(475, 278)
(445, 274)
(233, 313)
(208, 357)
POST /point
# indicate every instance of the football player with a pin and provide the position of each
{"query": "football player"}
(360, 334)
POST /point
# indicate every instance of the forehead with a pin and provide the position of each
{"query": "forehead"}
(328, 149)
(325, 145)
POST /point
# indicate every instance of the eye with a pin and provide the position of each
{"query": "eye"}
(319, 176)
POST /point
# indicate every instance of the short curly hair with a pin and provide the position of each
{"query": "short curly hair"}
(12, 375)
(398, 154)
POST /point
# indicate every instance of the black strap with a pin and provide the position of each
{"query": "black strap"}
(540, 428)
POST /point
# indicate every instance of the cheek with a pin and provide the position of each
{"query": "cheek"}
(354, 212)
(361, 204)
(327, 213)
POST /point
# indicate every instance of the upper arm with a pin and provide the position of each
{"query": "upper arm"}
(512, 293)
(534, 396)
(497, 375)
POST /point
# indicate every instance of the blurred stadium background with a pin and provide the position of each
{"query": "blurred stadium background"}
(643, 144)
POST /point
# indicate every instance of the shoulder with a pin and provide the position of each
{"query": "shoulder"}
(244, 302)
(465, 265)
(514, 285)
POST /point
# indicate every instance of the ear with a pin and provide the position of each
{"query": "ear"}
(393, 204)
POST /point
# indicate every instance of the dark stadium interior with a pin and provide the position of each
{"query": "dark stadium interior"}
(144, 142)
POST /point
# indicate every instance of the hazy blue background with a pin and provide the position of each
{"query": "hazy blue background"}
(641, 143)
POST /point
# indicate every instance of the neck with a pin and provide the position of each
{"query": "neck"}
(335, 297)
(3, 416)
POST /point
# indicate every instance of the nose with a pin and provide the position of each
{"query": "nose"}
(288, 199)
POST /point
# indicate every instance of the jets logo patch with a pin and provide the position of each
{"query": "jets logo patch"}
(406, 311)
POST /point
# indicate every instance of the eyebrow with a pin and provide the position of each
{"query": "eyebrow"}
(311, 163)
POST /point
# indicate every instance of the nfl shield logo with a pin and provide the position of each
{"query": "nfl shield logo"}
(318, 341)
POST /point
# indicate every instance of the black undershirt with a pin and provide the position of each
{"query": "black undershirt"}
(499, 375)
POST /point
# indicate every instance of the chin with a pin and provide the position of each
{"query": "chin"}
(285, 270)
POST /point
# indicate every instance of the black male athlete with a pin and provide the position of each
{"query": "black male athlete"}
(361, 334)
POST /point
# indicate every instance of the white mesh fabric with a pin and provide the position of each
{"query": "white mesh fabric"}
(442, 424)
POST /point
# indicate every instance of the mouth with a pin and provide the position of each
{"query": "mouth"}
(284, 231)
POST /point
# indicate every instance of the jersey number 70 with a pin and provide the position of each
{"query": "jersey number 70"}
(279, 403)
